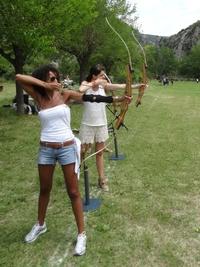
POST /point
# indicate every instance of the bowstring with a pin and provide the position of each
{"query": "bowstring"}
(120, 37)
(141, 47)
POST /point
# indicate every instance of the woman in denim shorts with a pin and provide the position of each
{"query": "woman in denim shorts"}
(57, 143)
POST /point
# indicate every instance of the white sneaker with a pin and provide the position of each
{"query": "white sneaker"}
(80, 247)
(35, 232)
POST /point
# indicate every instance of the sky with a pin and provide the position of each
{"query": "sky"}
(165, 17)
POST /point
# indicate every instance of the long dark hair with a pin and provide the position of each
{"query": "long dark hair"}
(41, 73)
(95, 70)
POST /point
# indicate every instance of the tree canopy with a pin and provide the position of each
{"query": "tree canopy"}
(32, 29)
(75, 34)
(190, 64)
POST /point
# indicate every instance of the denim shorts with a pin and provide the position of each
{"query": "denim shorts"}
(64, 155)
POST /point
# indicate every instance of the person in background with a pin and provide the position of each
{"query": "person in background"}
(93, 127)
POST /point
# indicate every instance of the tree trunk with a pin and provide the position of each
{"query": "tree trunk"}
(83, 68)
(20, 99)
(18, 65)
(19, 93)
(81, 73)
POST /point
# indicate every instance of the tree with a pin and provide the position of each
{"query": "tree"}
(88, 40)
(22, 35)
(161, 61)
(190, 64)
(5, 68)
(32, 29)
(167, 61)
(75, 32)
(152, 53)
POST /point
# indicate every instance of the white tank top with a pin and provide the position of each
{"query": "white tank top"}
(94, 114)
(55, 124)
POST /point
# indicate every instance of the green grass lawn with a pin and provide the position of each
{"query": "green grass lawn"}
(150, 215)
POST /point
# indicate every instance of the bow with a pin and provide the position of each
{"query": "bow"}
(144, 74)
(128, 88)
(125, 103)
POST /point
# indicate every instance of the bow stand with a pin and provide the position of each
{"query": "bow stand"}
(89, 204)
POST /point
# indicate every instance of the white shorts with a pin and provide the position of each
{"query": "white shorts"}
(91, 134)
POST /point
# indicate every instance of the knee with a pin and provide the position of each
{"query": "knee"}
(83, 150)
(73, 194)
(45, 190)
(100, 154)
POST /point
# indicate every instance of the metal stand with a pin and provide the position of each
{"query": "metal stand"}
(89, 204)
(115, 156)
(115, 118)
(111, 129)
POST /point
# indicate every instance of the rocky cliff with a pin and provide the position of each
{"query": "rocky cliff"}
(181, 43)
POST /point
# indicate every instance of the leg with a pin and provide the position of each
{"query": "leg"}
(46, 177)
(100, 167)
(99, 158)
(86, 135)
(85, 148)
(71, 182)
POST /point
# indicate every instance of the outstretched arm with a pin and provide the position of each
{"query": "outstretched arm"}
(107, 86)
(106, 99)
(113, 87)
(77, 96)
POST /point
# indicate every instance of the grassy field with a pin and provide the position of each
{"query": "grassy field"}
(151, 214)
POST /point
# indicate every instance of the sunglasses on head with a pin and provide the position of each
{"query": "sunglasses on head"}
(52, 79)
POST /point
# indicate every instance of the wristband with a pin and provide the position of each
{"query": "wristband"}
(97, 98)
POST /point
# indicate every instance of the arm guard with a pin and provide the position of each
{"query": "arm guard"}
(97, 98)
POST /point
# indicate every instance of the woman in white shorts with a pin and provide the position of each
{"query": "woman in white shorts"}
(93, 127)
